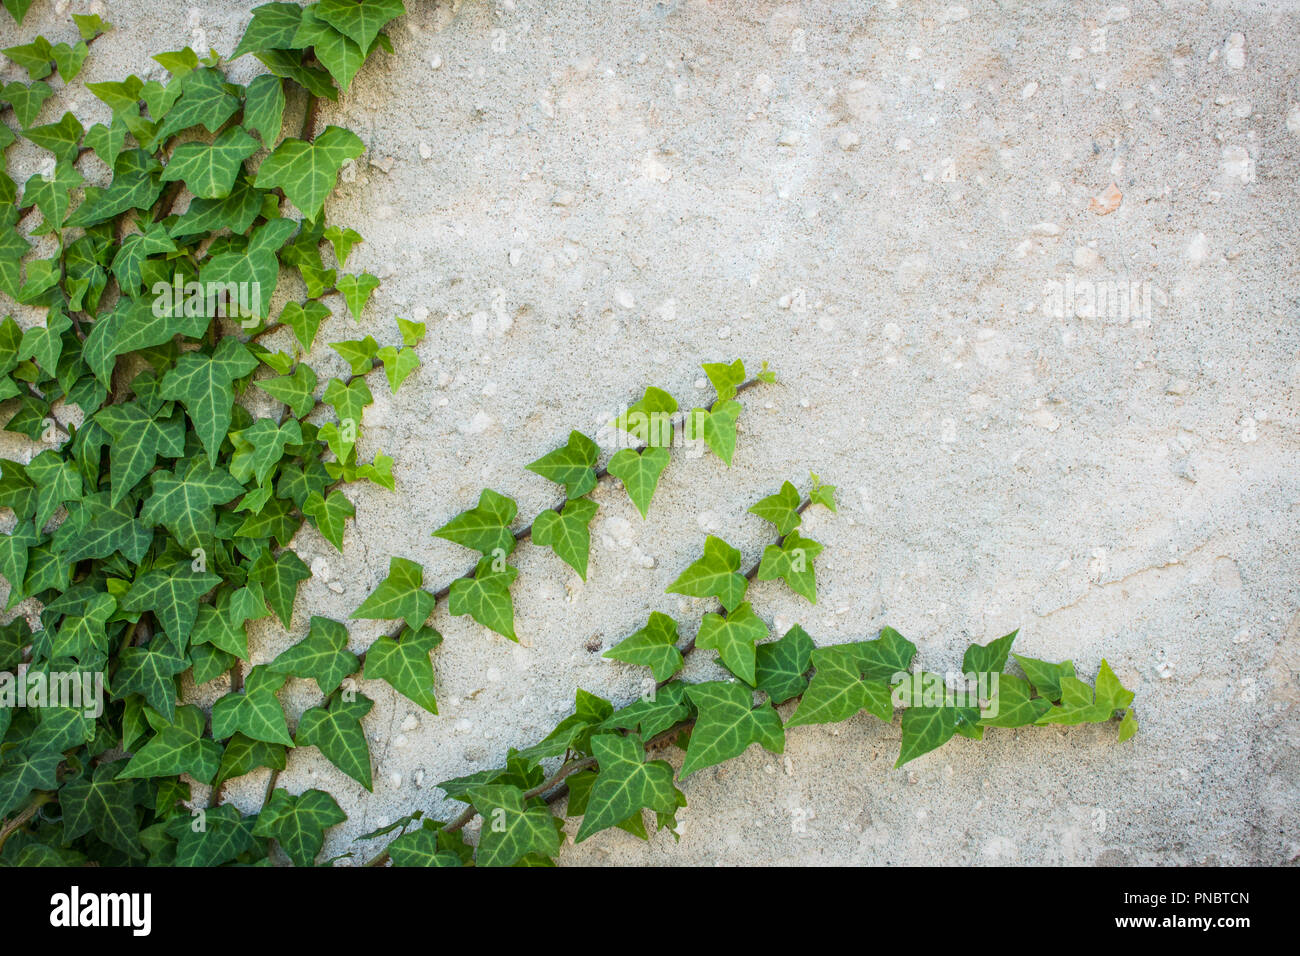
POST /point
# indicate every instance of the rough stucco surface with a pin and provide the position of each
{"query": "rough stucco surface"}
(874, 197)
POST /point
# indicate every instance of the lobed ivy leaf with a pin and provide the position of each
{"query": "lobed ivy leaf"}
(209, 169)
(205, 101)
(305, 319)
(359, 353)
(728, 723)
(571, 466)
(734, 637)
(264, 107)
(485, 527)
(400, 595)
(322, 656)
(653, 646)
(512, 829)
(989, 658)
(178, 746)
(781, 509)
(653, 713)
(256, 713)
(307, 171)
(101, 803)
(639, 472)
(626, 784)
(359, 20)
(298, 823)
(243, 756)
(486, 596)
(821, 494)
(335, 730)
(404, 663)
(398, 365)
(1045, 676)
(294, 390)
(716, 574)
(223, 837)
(566, 533)
(716, 427)
(781, 667)
(924, 729)
(838, 691)
(151, 673)
(725, 378)
(1013, 704)
(279, 577)
(183, 501)
(792, 562)
(172, 595)
(204, 384)
(329, 515)
(272, 28)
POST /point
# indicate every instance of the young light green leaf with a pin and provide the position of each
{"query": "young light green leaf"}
(264, 107)
(821, 494)
(305, 319)
(990, 658)
(571, 466)
(639, 472)
(358, 353)
(356, 291)
(725, 378)
(716, 427)
(649, 420)
(1045, 676)
(329, 515)
(781, 509)
(412, 332)
(294, 390)
(792, 561)
(398, 365)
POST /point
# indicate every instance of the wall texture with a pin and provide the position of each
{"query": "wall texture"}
(906, 208)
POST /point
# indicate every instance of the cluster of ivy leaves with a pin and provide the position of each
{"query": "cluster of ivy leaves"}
(153, 516)
(157, 521)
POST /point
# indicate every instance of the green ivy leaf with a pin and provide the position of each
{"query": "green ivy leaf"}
(336, 731)
(57, 481)
(649, 419)
(223, 837)
(484, 528)
(486, 597)
(26, 99)
(356, 291)
(104, 804)
(734, 637)
(989, 658)
(511, 828)
(821, 494)
(204, 384)
(404, 663)
(400, 595)
(329, 515)
(294, 390)
(259, 448)
(1013, 704)
(359, 20)
(728, 724)
(716, 427)
(422, 847)
(322, 656)
(792, 561)
(305, 319)
(61, 138)
(725, 378)
(52, 194)
(626, 784)
(264, 108)
(924, 729)
(566, 533)
(273, 27)
(209, 169)
(256, 713)
(1045, 676)
(781, 509)
(307, 171)
(95, 528)
(571, 466)
(342, 240)
(178, 746)
(653, 646)
(279, 577)
(338, 54)
(714, 575)
(358, 353)
(888, 655)
(299, 823)
(781, 667)
(172, 596)
(838, 691)
(398, 365)
(183, 501)
(24, 772)
(653, 713)
(151, 673)
(243, 756)
(639, 472)
(205, 102)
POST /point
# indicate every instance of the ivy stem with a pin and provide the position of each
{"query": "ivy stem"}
(15, 824)
(552, 789)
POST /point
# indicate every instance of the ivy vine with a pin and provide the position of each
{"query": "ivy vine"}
(154, 516)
